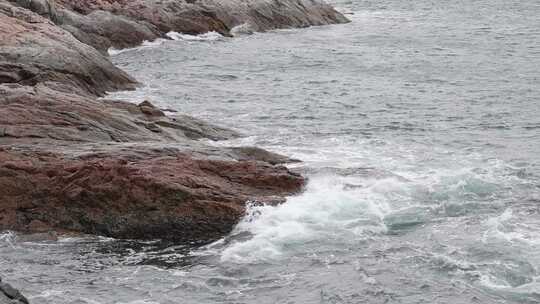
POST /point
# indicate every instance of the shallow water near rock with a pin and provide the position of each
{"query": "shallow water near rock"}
(418, 124)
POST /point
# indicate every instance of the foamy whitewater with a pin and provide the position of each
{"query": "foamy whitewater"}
(418, 126)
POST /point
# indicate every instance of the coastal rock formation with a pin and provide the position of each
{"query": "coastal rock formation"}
(103, 29)
(71, 162)
(120, 23)
(35, 51)
(134, 193)
(10, 295)
(41, 114)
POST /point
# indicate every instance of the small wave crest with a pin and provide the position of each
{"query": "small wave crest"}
(242, 29)
(145, 44)
(209, 36)
(7, 238)
(511, 228)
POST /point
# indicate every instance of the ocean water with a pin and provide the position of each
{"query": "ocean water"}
(418, 124)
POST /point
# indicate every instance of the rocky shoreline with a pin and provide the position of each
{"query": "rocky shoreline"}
(103, 24)
(71, 162)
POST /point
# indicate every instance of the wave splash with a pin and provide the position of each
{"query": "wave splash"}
(209, 36)
(324, 214)
(343, 209)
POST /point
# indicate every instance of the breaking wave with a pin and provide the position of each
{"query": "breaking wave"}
(210, 36)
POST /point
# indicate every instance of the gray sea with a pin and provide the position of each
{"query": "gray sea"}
(418, 124)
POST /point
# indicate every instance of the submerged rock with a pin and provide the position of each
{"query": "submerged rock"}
(10, 295)
(404, 219)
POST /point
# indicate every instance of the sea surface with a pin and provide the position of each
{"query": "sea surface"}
(419, 127)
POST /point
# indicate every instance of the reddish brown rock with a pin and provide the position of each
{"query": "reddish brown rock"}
(134, 194)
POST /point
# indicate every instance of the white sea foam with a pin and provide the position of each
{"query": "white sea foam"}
(156, 42)
(144, 44)
(242, 29)
(8, 238)
(325, 213)
(114, 51)
(504, 228)
(356, 203)
(493, 282)
(209, 36)
(48, 294)
(139, 302)
(89, 301)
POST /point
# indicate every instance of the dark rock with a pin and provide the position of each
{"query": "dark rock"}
(150, 110)
(10, 295)
(100, 29)
(33, 50)
(153, 127)
(104, 30)
(45, 8)
(169, 110)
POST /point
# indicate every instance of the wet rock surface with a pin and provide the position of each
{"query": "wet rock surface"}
(10, 295)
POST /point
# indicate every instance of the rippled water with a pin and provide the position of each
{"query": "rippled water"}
(419, 127)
